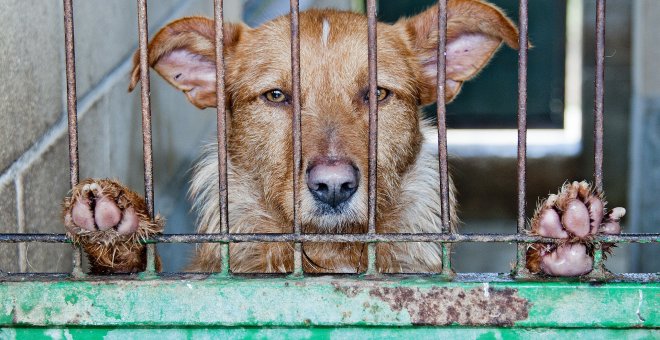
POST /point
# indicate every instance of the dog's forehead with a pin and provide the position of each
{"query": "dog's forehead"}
(333, 44)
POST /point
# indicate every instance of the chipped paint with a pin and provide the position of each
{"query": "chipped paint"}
(639, 306)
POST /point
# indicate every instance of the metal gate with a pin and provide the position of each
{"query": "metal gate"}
(374, 305)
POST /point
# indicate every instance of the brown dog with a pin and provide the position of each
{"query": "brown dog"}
(108, 219)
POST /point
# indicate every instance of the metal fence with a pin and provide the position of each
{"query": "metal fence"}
(446, 238)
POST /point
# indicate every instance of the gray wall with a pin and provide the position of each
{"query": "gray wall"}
(34, 154)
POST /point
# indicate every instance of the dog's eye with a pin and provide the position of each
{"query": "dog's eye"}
(275, 96)
(381, 94)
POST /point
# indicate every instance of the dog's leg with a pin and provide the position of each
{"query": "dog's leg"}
(109, 221)
(575, 215)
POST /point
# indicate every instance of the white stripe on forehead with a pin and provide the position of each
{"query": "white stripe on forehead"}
(326, 32)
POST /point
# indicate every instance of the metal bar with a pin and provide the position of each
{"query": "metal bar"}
(599, 97)
(72, 111)
(71, 98)
(442, 132)
(373, 132)
(322, 303)
(221, 129)
(426, 237)
(297, 132)
(146, 118)
(598, 268)
(442, 113)
(640, 278)
(522, 132)
(77, 271)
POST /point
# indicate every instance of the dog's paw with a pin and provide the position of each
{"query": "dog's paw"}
(575, 215)
(109, 221)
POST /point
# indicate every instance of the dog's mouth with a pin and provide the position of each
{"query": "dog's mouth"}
(345, 218)
(323, 209)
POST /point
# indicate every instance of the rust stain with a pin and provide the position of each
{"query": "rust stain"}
(350, 291)
(446, 306)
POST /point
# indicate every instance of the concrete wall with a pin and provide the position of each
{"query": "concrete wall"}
(34, 152)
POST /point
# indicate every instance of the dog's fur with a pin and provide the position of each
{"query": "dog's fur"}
(334, 82)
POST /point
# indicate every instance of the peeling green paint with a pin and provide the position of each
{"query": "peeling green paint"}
(327, 302)
(323, 333)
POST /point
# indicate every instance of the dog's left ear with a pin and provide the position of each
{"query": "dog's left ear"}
(475, 30)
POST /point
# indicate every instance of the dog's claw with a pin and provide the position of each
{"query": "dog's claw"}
(575, 215)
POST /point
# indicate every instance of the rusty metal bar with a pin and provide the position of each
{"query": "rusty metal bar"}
(522, 131)
(479, 278)
(221, 129)
(442, 132)
(297, 132)
(599, 97)
(146, 118)
(426, 237)
(72, 111)
(442, 113)
(599, 100)
(373, 132)
(71, 98)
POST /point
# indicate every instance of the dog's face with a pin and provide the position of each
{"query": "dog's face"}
(334, 92)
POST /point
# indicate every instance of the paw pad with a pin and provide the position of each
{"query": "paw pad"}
(92, 209)
(575, 215)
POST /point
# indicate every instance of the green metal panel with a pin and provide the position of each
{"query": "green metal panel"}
(327, 302)
(364, 333)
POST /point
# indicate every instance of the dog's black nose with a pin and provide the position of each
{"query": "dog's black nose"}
(332, 181)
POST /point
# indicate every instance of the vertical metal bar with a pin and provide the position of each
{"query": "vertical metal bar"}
(373, 132)
(297, 133)
(442, 132)
(522, 130)
(71, 97)
(599, 270)
(146, 121)
(72, 111)
(599, 95)
(77, 262)
(222, 130)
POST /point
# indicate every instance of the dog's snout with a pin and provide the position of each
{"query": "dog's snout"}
(332, 181)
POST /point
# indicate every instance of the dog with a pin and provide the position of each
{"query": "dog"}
(109, 220)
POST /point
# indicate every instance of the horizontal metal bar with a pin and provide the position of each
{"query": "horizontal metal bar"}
(329, 301)
(450, 238)
(301, 332)
(178, 276)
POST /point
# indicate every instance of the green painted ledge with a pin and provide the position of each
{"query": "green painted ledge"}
(189, 305)
(362, 333)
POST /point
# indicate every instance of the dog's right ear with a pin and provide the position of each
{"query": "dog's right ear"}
(183, 53)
